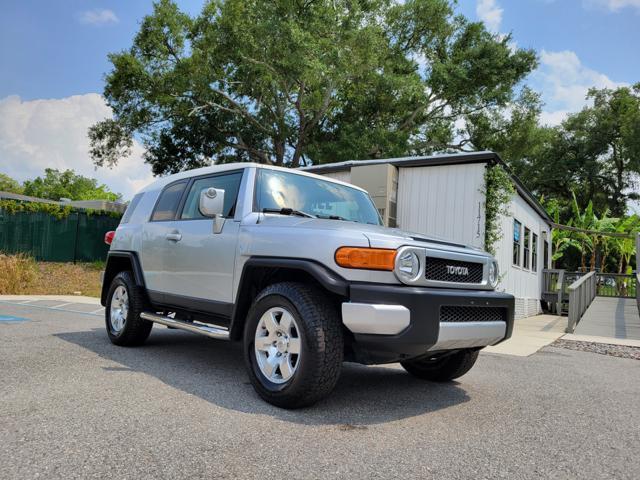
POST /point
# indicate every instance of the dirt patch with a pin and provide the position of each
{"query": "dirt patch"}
(601, 348)
(68, 279)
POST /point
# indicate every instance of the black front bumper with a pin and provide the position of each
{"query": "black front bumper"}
(424, 305)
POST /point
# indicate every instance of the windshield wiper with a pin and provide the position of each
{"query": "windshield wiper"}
(333, 217)
(288, 211)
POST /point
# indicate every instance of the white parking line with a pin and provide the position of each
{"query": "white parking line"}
(9, 302)
(63, 304)
(98, 310)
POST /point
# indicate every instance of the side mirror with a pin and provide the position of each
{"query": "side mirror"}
(211, 202)
(212, 205)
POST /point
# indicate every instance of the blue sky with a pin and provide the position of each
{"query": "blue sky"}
(53, 58)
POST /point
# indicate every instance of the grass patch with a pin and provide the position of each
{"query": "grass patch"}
(21, 275)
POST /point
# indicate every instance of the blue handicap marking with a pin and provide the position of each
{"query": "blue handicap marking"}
(11, 319)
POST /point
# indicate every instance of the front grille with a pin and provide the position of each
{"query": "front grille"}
(472, 314)
(438, 269)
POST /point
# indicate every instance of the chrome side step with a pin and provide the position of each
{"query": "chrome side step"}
(194, 327)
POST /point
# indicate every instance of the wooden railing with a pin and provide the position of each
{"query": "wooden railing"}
(638, 272)
(616, 285)
(638, 289)
(553, 288)
(581, 294)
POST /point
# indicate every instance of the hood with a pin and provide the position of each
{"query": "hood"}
(377, 235)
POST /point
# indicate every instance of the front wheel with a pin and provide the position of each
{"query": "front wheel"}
(125, 302)
(293, 345)
(443, 368)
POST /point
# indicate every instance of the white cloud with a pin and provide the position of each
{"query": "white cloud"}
(38, 134)
(490, 13)
(553, 118)
(564, 82)
(98, 16)
(613, 5)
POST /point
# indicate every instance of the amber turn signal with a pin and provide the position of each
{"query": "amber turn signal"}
(366, 258)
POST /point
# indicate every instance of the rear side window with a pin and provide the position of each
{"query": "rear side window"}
(130, 208)
(230, 183)
(168, 203)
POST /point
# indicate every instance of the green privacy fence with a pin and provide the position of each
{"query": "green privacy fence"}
(75, 236)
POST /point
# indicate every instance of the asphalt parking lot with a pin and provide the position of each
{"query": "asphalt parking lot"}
(75, 406)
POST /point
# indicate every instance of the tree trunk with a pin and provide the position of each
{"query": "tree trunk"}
(621, 265)
(295, 159)
(279, 147)
(618, 200)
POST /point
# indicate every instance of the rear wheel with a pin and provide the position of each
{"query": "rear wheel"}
(293, 345)
(443, 368)
(125, 302)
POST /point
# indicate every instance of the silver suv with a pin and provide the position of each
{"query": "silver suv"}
(300, 269)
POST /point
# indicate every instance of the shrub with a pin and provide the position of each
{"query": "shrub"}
(17, 273)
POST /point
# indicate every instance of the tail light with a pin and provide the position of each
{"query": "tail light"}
(109, 236)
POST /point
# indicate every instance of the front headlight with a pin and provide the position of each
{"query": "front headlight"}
(494, 274)
(408, 266)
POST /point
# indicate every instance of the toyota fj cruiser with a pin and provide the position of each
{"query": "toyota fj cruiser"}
(300, 269)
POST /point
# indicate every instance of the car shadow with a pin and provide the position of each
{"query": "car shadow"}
(214, 371)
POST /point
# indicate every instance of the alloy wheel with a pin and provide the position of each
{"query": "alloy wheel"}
(277, 345)
(119, 309)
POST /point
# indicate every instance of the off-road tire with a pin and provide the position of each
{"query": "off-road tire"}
(442, 369)
(322, 344)
(136, 330)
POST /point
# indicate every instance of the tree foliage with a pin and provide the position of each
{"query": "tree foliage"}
(293, 81)
(595, 152)
(55, 185)
(602, 242)
(8, 184)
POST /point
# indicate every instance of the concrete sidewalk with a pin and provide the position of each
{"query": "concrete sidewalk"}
(531, 334)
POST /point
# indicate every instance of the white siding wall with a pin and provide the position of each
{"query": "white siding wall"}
(445, 201)
(343, 176)
(525, 285)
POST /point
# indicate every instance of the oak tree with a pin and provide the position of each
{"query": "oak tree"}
(296, 81)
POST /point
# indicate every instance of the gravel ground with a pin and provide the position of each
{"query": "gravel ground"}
(601, 348)
(75, 406)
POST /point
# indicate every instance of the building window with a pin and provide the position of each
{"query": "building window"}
(545, 257)
(527, 247)
(534, 253)
(517, 232)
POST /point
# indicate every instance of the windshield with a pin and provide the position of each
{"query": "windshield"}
(282, 190)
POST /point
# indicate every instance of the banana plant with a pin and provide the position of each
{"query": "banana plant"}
(625, 247)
